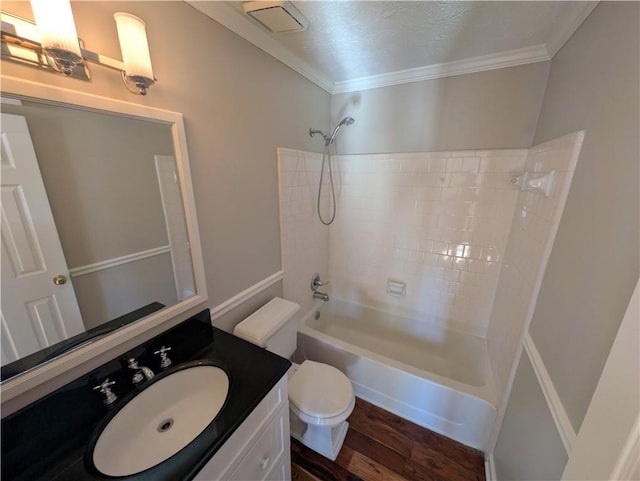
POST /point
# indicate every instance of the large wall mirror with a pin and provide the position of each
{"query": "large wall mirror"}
(99, 233)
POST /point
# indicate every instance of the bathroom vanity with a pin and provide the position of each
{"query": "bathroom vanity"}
(53, 438)
(259, 448)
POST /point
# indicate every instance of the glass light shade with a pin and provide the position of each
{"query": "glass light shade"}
(57, 30)
(133, 44)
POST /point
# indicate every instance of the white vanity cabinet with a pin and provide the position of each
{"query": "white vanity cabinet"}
(260, 448)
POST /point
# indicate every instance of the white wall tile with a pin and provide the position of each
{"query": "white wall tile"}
(448, 223)
(416, 213)
(305, 241)
(535, 221)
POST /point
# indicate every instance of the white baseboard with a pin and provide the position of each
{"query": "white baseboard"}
(490, 468)
(628, 464)
(245, 295)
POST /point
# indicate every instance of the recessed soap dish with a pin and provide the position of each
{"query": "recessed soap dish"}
(396, 287)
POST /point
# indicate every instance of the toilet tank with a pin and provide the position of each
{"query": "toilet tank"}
(271, 327)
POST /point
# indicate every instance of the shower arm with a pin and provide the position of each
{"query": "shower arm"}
(313, 132)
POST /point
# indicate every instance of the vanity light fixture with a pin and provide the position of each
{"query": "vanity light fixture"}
(51, 43)
(58, 35)
(135, 51)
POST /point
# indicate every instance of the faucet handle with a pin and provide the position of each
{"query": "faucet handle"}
(164, 358)
(317, 282)
(105, 389)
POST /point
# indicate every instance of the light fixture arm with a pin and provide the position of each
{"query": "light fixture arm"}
(142, 83)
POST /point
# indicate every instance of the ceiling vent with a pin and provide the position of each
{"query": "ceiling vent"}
(276, 16)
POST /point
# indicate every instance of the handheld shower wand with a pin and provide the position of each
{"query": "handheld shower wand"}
(326, 157)
(328, 140)
(345, 121)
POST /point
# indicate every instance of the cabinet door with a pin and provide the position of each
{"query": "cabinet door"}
(267, 452)
(281, 471)
(229, 457)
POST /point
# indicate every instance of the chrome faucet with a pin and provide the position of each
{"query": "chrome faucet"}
(105, 388)
(321, 295)
(141, 373)
(165, 362)
(316, 282)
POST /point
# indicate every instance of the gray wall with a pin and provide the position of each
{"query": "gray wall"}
(239, 104)
(485, 110)
(114, 292)
(594, 265)
(91, 177)
(593, 268)
(529, 447)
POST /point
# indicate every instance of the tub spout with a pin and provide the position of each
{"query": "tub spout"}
(321, 295)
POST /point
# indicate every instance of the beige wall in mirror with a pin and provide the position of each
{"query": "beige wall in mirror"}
(111, 184)
(99, 192)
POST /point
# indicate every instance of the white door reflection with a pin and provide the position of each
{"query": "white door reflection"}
(39, 306)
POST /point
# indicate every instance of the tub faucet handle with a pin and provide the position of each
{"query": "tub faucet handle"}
(316, 282)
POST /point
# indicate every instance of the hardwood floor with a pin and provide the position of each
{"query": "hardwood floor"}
(383, 447)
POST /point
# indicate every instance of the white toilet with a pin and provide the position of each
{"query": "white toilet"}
(320, 396)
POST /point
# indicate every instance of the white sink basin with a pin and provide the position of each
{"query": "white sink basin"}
(161, 420)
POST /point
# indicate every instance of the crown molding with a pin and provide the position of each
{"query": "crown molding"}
(236, 21)
(560, 37)
(511, 58)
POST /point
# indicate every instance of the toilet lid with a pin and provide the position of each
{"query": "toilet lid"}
(320, 390)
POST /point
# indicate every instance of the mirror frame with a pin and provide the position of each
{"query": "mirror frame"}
(39, 375)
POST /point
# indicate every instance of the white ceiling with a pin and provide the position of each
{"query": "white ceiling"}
(353, 44)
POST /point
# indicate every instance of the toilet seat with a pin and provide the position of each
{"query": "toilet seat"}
(320, 394)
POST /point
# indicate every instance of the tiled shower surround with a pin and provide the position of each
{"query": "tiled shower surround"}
(470, 246)
(533, 230)
(438, 221)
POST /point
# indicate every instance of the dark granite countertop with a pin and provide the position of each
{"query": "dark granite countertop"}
(48, 439)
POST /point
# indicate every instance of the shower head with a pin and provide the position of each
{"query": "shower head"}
(345, 121)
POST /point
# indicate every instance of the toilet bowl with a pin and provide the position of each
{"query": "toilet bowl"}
(321, 397)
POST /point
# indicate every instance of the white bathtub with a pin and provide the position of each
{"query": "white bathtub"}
(427, 374)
